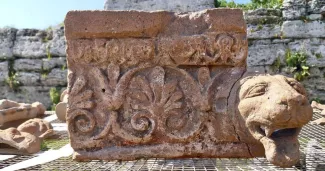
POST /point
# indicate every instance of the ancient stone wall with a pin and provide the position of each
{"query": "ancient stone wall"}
(31, 63)
(36, 58)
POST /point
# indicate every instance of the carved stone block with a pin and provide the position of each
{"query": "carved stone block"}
(160, 84)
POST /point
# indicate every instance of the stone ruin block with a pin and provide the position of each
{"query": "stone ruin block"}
(167, 85)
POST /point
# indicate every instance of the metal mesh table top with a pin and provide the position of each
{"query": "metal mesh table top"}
(312, 147)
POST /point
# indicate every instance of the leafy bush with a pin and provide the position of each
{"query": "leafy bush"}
(55, 97)
(297, 63)
(254, 4)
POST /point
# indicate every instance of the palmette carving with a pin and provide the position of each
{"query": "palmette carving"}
(168, 85)
(152, 101)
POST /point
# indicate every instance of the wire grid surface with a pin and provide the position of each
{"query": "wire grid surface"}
(312, 147)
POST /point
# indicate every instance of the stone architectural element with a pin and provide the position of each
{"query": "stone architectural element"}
(153, 5)
(159, 84)
(267, 29)
(27, 138)
(318, 106)
(61, 108)
(11, 110)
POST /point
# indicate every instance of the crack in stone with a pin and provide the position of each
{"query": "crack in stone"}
(231, 90)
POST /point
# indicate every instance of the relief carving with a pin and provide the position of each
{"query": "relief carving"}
(173, 91)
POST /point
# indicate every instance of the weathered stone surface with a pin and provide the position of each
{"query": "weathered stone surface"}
(261, 55)
(62, 107)
(30, 43)
(28, 65)
(267, 91)
(11, 110)
(28, 78)
(38, 127)
(3, 72)
(139, 24)
(57, 44)
(162, 84)
(27, 94)
(7, 38)
(264, 12)
(294, 9)
(315, 17)
(316, 6)
(264, 31)
(263, 16)
(49, 64)
(28, 136)
(152, 5)
(263, 19)
(301, 29)
(22, 141)
(57, 77)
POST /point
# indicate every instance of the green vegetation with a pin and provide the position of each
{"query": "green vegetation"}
(55, 97)
(259, 27)
(48, 51)
(64, 67)
(49, 35)
(12, 81)
(276, 66)
(254, 4)
(54, 144)
(318, 55)
(297, 63)
(45, 72)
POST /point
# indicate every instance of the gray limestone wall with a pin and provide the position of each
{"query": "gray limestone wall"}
(31, 63)
(34, 61)
(299, 27)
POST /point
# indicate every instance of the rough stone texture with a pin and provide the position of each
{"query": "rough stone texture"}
(27, 138)
(315, 17)
(261, 55)
(264, 31)
(7, 38)
(28, 65)
(153, 5)
(3, 72)
(261, 26)
(318, 106)
(316, 6)
(22, 141)
(61, 108)
(160, 84)
(38, 127)
(263, 16)
(300, 29)
(57, 44)
(57, 77)
(11, 110)
(49, 64)
(259, 100)
(28, 78)
(294, 9)
(30, 43)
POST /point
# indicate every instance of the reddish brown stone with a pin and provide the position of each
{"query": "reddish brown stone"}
(27, 138)
(11, 110)
(159, 84)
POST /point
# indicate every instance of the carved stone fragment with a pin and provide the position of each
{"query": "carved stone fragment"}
(160, 84)
(318, 106)
(11, 110)
(28, 136)
(61, 108)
